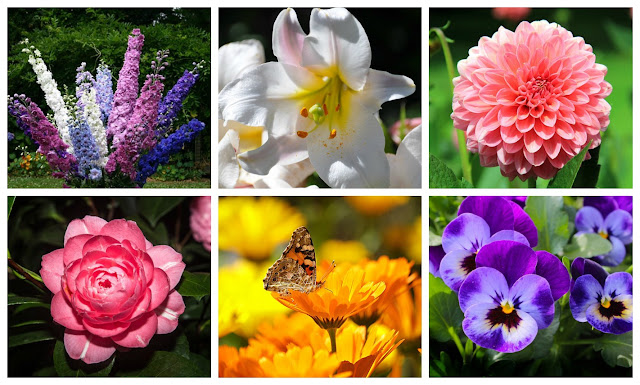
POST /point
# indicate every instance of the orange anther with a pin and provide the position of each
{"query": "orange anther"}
(304, 112)
(302, 134)
(338, 108)
(332, 134)
(324, 108)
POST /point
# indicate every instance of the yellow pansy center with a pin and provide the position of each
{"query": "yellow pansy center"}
(603, 234)
(605, 302)
(507, 308)
(325, 106)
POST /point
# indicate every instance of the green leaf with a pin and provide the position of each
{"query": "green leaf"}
(195, 285)
(441, 176)
(29, 323)
(540, 346)
(11, 201)
(67, 367)
(18, 300)
(616, 350)
(551, 220)
(587, 246)
(154, 208)
(567, 174)
(30, 337)
(445, 315)
(167, 364)
(434, 239)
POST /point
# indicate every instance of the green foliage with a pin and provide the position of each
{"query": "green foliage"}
(67, 367)
(182, 166)
(551, 220)
(617, 350)
(445, 316)
(565, 177)
(441, 176)
(587, 246)
(195, 285)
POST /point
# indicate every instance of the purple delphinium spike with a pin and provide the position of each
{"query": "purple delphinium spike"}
(481, 221)
(124, 99)
(616, 227)
(607, 307)
(104, 91)
(172, 103)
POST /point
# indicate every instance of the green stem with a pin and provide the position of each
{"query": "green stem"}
(332, 337)
(458, 343)
(532, 182)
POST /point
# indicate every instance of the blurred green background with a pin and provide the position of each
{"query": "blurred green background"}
(608, 31)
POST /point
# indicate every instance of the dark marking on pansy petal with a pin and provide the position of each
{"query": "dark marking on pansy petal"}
(615, 309)
(497, 316)
(468, 264)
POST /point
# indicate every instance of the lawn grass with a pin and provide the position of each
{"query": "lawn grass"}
(51, 182)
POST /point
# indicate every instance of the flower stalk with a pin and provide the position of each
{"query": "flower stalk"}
(332, 337)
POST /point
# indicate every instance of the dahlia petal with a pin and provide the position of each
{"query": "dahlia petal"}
(522, 165)
(548, 118)
(507, 115)
(139, 333)
(512, 259)
(588, 219)
(551, 268)
(337, 41)
(484, 285)
(511, 134)
(498, 337)
(532, 142)
(552, 146)
(169, 260)
(536, 159)
(532, 294)
(543, 131)
(87, 225)
(455, 267)
(52, 270)
(64, 314)
(87, 347)
(169, 312)
(159, 288)
(288, 38)
(613, 325)
(620, 224)
(527, 123)
(585, 293)
(495, 211)
(121, 229)
(501, 95)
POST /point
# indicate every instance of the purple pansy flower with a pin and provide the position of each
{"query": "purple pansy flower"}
(436, 253)
(607, 204)
(480, 221)
(605, 301)
(616, 227)
(510, 296)
(582, 266)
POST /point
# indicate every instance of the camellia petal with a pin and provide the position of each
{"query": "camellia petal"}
(139, 333)
(87, 225)
(52, 270)
(122, 229)
(87, 347)
(337, 42)
(169, 312)
(288, 38)
(170, 261)
(64, 314)
(159, 288)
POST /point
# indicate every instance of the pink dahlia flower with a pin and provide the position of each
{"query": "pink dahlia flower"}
(510, 13)
(530, 100)
(112, 288)
(200, 220)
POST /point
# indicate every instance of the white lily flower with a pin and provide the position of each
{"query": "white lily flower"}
(318, 101)
(406, 164)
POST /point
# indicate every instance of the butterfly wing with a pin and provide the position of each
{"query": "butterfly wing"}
(296, 268)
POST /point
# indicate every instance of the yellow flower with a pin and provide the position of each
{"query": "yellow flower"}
(345, 293)
(406, 238)
(243, 302)
(300, 362)
(405, 313)
(361, 352)
(235, 363)
(253, 227)
(294, 329)
(397, 276)
(343, 251)
(376, 205)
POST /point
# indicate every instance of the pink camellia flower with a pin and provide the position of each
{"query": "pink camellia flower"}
(112, 288)
(530, 100)
(200, 220)
(510, 13)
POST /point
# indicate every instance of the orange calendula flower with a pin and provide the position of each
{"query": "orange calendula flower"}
(397, 277)
(345, 293)
(300, 362)
(376, 205)
(405, 313)
(235, 363)
(283, 331)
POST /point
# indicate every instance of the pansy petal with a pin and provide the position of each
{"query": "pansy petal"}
(512, 259)
(615, 256)
(139, 333)
(337, 42)
(467, 232)
(625, 203)
(589, 220)
(287, 38)
(91, 349)
(523, 224)
(168, 260)
(613, 325)
(620, 224)
(532, 295)
(87, 225)
(603, 204)
(582, 266)
(498, 336)
(619, 283)
(586, 292)
(455, 267)
(496, 211)
(509, 235)
(406, 166)
(436, 254)
(52, 270)
(483, 285)
(281, 150)
(355, 158)
(169, 312)
(236, 58)
(384, 87)
(551, 268)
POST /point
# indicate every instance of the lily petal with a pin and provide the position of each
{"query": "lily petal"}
(384, 87)
(236, 58)
(287, 38)
(228, 167)
(406, 166)
(283, 150)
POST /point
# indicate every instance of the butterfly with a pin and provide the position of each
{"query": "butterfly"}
(296, 268)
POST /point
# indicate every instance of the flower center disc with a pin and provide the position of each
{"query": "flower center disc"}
(610, 309)
(322, 106)
(503, 315)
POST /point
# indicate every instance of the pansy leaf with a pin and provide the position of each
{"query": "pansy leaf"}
(586, 246)
(567, 174)
(445, 316)
(616, 350)
(195, 285)
(434, 239)
(68, 367)
(552, 222)
(441, 176)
